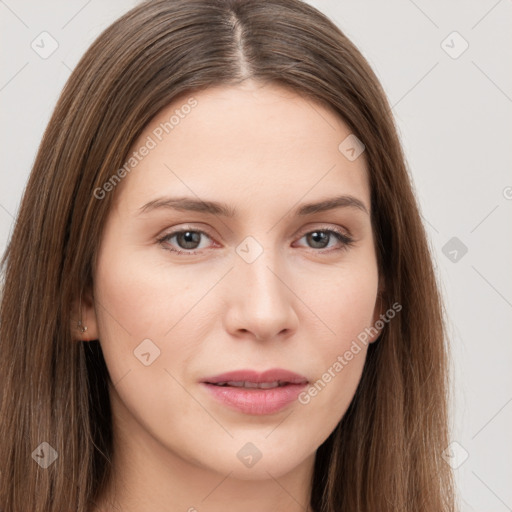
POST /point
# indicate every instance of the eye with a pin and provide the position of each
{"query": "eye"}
(186, 239)
(320, 239)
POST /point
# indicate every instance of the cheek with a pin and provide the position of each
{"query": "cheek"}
(344, 299)
(345, 303)
(140, 308)
(147, 336)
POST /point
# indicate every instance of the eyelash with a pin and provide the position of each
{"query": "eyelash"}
(345, 240)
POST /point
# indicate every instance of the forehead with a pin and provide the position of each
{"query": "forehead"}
(243, 144)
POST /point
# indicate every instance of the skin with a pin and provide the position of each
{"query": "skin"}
(263, 150)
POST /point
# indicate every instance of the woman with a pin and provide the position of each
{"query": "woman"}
(219, 293)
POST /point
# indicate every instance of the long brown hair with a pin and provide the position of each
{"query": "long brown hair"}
(385, 454)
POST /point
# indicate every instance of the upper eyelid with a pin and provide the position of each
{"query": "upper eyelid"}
(176, 231)
(303, 232)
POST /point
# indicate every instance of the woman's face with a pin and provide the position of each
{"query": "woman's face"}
(214, 260)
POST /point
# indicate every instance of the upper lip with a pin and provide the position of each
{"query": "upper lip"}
(272, 375)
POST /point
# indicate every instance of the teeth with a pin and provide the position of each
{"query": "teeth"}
(235, 383)
(245, 384)
(267, 385)
(249, 384)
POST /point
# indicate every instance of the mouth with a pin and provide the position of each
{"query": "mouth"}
(256, 393)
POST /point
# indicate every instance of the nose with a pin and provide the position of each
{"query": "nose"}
(260, 300)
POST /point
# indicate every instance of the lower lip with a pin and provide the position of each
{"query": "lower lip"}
(256, 401)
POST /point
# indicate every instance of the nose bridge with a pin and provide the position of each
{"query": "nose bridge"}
(263, 302)
(259, 276)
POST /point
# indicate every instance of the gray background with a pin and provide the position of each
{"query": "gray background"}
(454, 114)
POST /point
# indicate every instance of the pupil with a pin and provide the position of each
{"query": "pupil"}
(189, 237)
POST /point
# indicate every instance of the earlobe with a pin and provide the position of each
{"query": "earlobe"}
(83, 318)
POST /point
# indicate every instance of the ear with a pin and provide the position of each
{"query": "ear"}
(378, 312)
(83, 311)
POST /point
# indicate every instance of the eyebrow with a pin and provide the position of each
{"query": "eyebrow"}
(215, 208)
